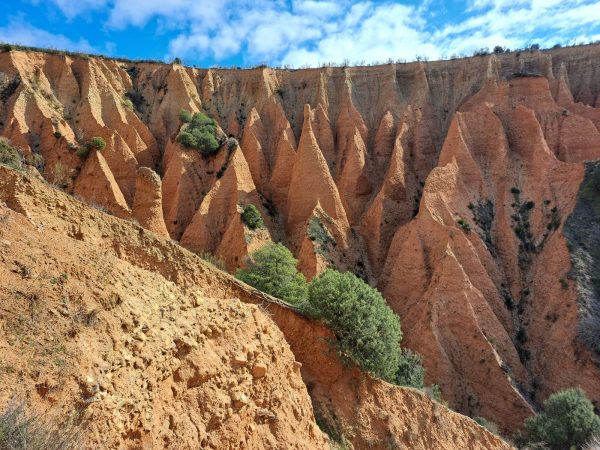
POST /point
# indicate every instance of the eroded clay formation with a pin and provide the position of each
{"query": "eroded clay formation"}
(446, 184)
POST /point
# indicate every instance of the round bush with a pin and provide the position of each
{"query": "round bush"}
(188, 139)
(199, 120)
(252, 218)
(366, 328)
(272, 269)
(201, 133)
(232, 143)
(567, 421)
(185, 116)
(97, 143)
(410, 371)
(206, 142)
(10, 156)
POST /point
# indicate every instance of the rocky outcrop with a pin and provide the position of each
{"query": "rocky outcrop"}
(147, 205)
(217, 226)
(443, 183)
(311, 184)
(97, 185)
(484, 237)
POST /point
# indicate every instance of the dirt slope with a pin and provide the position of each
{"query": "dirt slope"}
(147, 346)
(142, 360)
(445, 184)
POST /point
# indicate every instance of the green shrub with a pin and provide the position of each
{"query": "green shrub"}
(272, 269)
(97, 143)
(567, 420)
(10, 156)
(36, 160)
(214, 260)
(205, 142)
(185, 116)
(466, 226)
(200, 120)
(127, 103)
(188, 139)
(200, 134)
(57, 134)
(366, 328)
(252, 218)
(410, 372)
(83, 152)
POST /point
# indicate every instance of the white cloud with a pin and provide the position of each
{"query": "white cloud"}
(19, 32)
(369, 33)
(518, 23)
(300, 32)
(314, 32)
(73, 8)
(176, 12)
(317, 8)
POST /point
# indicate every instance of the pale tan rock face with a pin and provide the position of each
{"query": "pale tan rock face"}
(97, 185)
(388, 159)
(217, 226)
(147, 205)
(311, 183)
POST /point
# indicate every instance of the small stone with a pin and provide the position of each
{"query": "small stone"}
(140, 336)
(137, 346)
(239, 400)
(240, 359)
(259, 370)
(103, 366)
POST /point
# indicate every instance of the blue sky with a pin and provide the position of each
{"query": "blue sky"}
(295, 32)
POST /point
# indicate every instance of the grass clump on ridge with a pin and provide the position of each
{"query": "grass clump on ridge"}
(20, 430)
(213, 260)
(10, 156)
(96, 143)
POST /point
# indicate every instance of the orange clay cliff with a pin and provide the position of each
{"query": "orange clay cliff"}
(447, 185)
